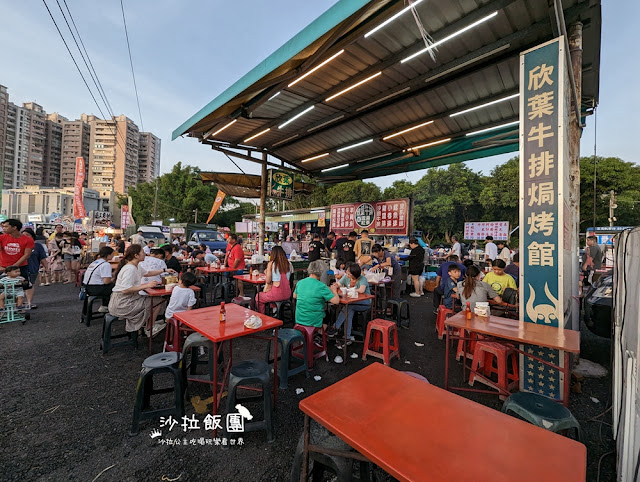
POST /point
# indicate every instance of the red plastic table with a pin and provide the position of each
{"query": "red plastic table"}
(506, 329)
(206, 321)
(344, 300)
(156, 293)
(416, 431)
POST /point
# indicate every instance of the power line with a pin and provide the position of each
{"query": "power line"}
(126, 33)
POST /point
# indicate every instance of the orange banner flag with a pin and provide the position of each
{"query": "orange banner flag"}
(216, 205)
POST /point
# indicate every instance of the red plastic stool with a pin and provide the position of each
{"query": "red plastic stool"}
(80, 276)
(174, 335)
(483, 356)
(471, 345)
(381, 339)
(443, 313)
(313, 351)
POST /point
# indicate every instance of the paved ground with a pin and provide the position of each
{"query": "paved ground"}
(65, 409)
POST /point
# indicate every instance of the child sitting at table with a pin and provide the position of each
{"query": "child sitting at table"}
(13, 274)
(340, 269)
(183, 297)
(451, 286)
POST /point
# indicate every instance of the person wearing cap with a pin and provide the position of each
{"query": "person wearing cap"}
(138, 238)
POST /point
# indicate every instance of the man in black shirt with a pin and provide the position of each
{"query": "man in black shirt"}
(329, 242)
(316, 248)
(347, 252)
(170, 260)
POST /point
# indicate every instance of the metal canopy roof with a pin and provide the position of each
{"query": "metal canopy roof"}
(341, 95)
(245, 185)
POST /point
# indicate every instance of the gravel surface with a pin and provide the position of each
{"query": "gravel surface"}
(66, 409)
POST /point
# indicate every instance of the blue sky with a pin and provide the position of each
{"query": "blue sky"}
(185, 53)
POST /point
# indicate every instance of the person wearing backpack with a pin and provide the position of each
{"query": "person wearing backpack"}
(98, 278)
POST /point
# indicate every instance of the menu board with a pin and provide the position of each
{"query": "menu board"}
(382, 217)
(498, 229)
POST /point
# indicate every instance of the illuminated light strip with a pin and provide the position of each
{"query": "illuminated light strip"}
(492, 128)
(273, 96)
(315, 68)
(355, 145)
(317, 211)
(449, 37)
(287, 215)
(325, 123)
(468, 62)
(315, 157)
(257, 135)
(353, 86)
(388, 21)
(285, 140)
(384, 98)
(407, 130)
(296, 116)
(224, 127)
(334, 168)
(485, 105)
(434, 143)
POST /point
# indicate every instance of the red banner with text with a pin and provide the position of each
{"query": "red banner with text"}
(78, 205)
(382, 217)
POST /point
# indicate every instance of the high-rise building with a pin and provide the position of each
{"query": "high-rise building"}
(4, 104)
(53, 150)
(113, 160)
(148, 157)
(76, 137)
(35, 131)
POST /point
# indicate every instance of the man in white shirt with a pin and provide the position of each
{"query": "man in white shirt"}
(456, 249)
(490, 249)
(147, 249)
(138, 238)
(153, 262)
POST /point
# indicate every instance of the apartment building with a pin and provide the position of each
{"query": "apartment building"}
(53, 150)
(148, 157)
(113, 160)
(4, 103)
(76, 139)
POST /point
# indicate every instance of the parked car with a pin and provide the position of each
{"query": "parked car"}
(153, 233)
(213, 239)
(598, 301)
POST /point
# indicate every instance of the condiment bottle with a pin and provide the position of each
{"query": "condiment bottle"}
(223, 313)
(468, 310)
(251, 271)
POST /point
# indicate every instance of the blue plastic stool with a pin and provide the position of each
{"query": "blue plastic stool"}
(286, 338)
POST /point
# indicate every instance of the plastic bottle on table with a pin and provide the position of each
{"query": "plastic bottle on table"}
(468, 310)
(223, 313)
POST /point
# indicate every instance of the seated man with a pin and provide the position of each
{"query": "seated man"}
(497, 279)
(451, 287)
(311, 295)
(513, 268)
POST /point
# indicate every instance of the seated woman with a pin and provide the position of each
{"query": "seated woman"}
(352, 279)
(472, 290)
(311, 295)
(126, 301)
(98, 277)
(276, 288)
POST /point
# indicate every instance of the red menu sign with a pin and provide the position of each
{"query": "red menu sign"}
(382, 217)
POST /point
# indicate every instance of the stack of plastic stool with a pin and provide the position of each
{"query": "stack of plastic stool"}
(286, 338)
(106, 344)
(245, 373)
(542, 411)
(154, 365)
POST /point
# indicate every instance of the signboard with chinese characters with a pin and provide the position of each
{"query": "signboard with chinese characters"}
(382, 217)
(498, 229)
(101, 219)
(280, 185)
(545, 267)
(125, 219)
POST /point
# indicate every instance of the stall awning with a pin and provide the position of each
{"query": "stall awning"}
(245, 185)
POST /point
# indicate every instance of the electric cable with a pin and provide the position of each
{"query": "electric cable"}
(126, 33)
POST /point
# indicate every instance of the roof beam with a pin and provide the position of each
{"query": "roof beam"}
(217, 147)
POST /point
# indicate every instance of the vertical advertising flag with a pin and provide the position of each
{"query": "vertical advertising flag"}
(125, 219)
(216, 205)
(130, 204)
(78, 206)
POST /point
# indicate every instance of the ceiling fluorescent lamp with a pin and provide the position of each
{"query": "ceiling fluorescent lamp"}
(315, 157)
(224, 127)
(493, 128)
(353, 86)
(334, 168)
(315, 68)
(449, 37)
(389, 20)
(285, 140)
(274, 96)
(355, 145)
(257, 135)
(296, 116)
(407, 130)
(484, 105)
(429, 144)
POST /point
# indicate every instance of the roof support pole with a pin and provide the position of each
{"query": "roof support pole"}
(575, 50)
(263, 204)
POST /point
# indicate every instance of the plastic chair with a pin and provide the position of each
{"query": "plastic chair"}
(379, 337)
(483, 356)
(398, 307)
(107, 336)
(287, 337)
(311, 351)
(443, 313)
(154, 365)
(87, 310)
(174, 335)
(542, 412)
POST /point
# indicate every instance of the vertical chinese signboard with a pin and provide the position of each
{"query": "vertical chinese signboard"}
(280, 185)
(125, 220)
(545, 269)
(78, 205)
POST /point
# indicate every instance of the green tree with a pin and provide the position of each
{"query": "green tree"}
(353, 191)
(399, 189)
(500, 197)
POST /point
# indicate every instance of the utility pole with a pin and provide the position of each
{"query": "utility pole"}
(612, 207)
(195, 217)
(155, 202)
